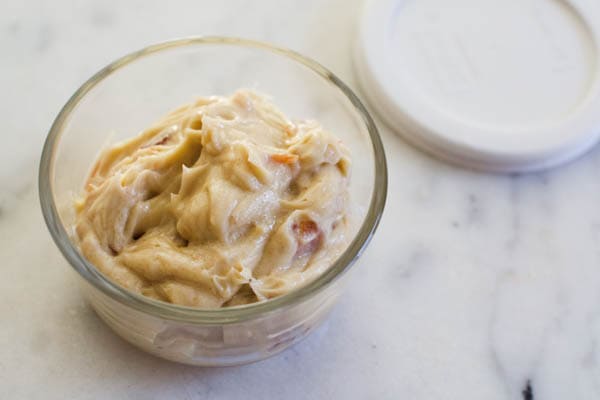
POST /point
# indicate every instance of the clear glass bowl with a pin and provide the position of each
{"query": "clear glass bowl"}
(131, 93)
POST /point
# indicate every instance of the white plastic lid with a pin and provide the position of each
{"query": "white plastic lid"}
(498, 85)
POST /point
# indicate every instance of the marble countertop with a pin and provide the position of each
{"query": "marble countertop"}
(476, 286)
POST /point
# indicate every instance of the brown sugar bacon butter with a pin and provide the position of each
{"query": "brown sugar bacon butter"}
(224, 201)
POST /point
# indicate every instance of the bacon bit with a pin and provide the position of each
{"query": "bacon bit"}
(308, 235)
(284, 158)
(290, 130)
(162, 141)
(308, 229)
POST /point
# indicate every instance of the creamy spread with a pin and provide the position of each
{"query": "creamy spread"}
(225, 201)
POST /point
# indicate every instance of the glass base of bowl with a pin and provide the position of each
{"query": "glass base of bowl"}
(212, 345)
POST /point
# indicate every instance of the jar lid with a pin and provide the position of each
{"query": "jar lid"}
(498, 85)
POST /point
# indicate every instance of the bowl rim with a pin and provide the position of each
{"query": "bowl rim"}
(218, 316)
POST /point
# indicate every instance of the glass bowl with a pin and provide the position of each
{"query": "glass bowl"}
(134, 91)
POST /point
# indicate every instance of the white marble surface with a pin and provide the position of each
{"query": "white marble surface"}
(473, 286)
